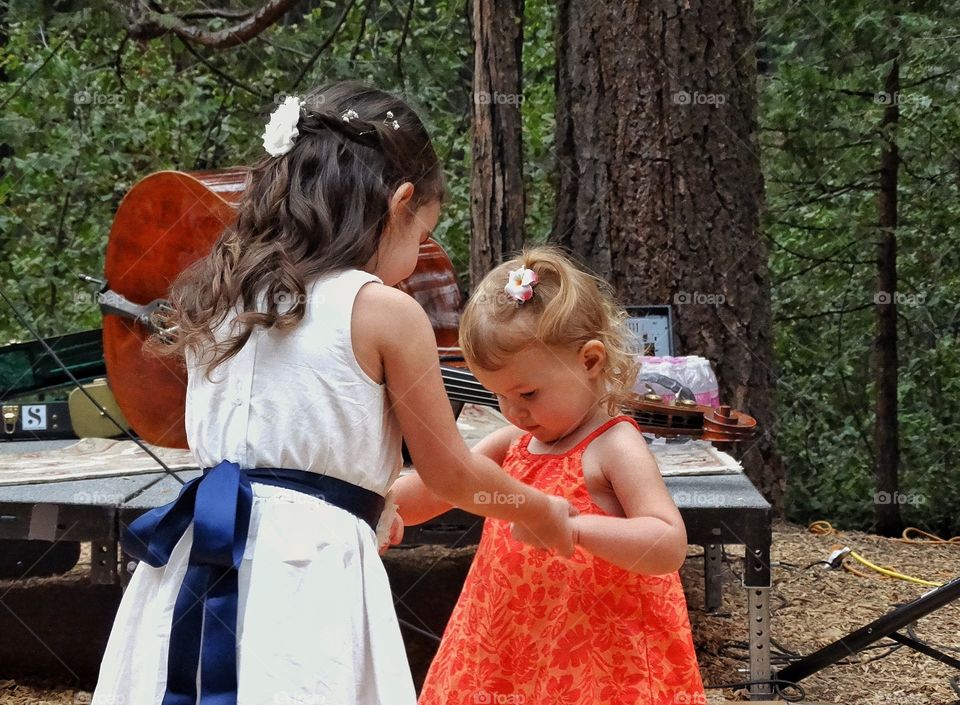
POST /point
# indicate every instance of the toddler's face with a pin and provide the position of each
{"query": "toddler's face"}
(548, 391)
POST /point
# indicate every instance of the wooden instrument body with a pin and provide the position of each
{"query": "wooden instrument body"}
(722, 425)
(166, 222)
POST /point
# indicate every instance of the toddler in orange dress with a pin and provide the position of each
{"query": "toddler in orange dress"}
(608, 625)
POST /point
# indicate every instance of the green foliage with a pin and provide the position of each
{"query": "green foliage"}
(85, 122)
(88, 113)
(822, 101)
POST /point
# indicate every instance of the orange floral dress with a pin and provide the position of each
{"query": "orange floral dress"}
(535, 629)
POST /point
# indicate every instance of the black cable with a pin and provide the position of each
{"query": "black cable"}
(784, 602)
(955, 684)
(418, 630)
(891, 650)
(726, 559)
(782, 656)
(911, 632)
(778, 686)
(788, 653)
(794, 566)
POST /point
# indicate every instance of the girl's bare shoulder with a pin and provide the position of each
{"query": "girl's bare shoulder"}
(621, 441)
(383, 320)
(379, 308)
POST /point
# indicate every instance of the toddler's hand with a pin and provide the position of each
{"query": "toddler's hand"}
(554, 530)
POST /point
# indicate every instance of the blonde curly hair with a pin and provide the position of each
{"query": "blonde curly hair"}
(569, 307)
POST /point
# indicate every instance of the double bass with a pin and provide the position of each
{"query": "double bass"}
(170, 219)
(167, 221)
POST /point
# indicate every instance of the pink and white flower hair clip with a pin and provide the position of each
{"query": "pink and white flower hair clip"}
(520, 284)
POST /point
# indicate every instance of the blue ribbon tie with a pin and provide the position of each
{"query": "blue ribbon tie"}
(203, 632)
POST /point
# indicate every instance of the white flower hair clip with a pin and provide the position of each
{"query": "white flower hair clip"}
(520, 284)
(281, 131)
(349, 115)
(388, 120)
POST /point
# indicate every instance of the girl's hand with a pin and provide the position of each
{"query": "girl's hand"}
(556, 529)
(390, 526)
(396, 530)
(395, 536)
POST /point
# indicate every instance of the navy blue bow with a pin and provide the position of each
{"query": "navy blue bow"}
(205, 613)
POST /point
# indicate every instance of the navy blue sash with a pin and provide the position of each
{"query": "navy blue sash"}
(205, 613)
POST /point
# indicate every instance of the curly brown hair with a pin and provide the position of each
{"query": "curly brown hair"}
(569, 307)
(321, 207)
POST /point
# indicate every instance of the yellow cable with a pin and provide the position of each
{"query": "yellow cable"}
(824, 528)
(930, 538)
(893, 573)
(850, 569)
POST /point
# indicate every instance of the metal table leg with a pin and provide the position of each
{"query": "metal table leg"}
(758, 614)
(756, 580)
(103, 562)
(713, 578)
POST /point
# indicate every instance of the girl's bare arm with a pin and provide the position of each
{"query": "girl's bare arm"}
(400, 330)
(651, 537)
(418, 504)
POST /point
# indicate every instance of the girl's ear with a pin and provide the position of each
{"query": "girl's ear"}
(593, 356)
(400, 202)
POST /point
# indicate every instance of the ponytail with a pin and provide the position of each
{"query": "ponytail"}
(568, 308)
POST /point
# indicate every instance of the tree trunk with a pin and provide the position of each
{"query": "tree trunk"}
(886, 431)
(496, 186)
(660, 185)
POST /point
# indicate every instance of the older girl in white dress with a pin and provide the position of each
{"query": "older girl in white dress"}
(262, 584)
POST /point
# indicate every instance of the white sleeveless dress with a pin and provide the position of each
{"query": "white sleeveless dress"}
(316, 622)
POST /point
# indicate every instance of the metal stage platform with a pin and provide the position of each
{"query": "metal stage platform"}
(717, 510)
